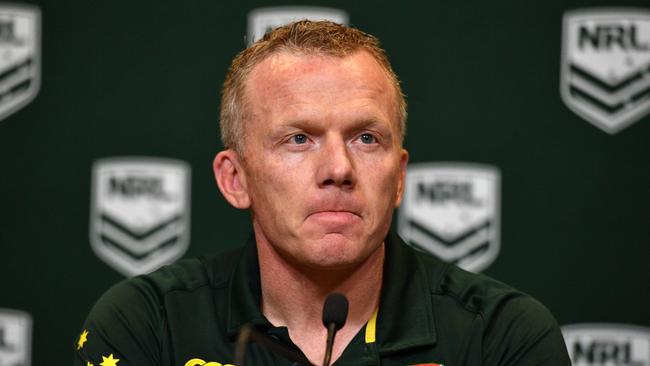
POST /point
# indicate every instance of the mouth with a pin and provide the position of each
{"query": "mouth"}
(334, 220)
(334, 213)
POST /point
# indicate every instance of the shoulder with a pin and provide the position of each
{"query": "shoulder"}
(188, 275)
(511, 323)
(130, 318)
(474, 292)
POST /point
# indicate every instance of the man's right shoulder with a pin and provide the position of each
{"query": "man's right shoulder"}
(188, 275)
(135, 312)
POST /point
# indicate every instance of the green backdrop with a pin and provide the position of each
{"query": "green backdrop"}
(482, 80)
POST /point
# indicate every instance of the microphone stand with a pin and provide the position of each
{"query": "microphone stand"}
(249, 332)
(331, 332)
(335, 313)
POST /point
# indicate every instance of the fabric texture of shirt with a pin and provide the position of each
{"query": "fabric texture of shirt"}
(430, 313)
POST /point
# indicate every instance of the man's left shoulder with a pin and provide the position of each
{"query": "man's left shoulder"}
(477, 293)
(511, 323)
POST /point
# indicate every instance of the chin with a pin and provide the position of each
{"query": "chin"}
(330, 264)
(335, 251)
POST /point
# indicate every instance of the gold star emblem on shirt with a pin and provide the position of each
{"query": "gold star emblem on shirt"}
(109, 361)
(88, 363)
(82, 339)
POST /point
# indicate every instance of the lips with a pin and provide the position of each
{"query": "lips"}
(335, 212)
(335, 208)
(334, 221)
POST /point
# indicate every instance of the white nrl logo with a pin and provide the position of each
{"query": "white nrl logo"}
(15, 338)
(607, 344)
(605, 75)
(263, 20)
(20, 64)
(140, 212)
(451, 210)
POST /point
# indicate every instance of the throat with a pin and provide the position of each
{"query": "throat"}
(294, 299)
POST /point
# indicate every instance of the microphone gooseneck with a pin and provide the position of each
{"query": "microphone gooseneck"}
(248, 333)
(335, 313)
(242, 341)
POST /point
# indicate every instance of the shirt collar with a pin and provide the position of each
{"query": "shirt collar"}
(406, 314)
(244, 291)
(405, 319)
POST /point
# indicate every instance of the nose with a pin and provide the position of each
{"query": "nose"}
(336, 168)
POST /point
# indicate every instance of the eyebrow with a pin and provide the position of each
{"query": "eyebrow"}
(373, 123)
(359, 124)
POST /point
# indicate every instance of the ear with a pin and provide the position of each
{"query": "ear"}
(231, 179)
(404, 159)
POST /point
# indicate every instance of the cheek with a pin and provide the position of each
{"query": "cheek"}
(277, 182)
(387, 170)
(386, 184)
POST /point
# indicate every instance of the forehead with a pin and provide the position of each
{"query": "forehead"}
(288, 75)
(282, 65)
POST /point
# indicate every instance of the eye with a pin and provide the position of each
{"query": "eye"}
(299, 139)
(367, 138)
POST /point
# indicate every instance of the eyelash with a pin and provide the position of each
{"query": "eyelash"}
(374, 138)
(292, 139)
(305, 138)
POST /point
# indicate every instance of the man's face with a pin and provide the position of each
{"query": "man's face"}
(323, 162)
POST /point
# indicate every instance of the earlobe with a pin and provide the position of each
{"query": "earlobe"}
(231, 179)
(404, 159)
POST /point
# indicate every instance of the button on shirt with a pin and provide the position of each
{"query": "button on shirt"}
(430, 313)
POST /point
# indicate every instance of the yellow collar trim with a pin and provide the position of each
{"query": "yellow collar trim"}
(371, 328)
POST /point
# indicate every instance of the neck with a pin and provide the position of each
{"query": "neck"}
(294, 297)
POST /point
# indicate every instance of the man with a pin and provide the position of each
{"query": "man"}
(312, 120)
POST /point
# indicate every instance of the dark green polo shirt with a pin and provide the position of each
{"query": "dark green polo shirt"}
(430, 312)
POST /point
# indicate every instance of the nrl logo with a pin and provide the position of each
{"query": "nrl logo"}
(140, 212)
(605, 76)
(263, 20)
(452, 211)
(15, 338)
(20, 69)
(607, 344)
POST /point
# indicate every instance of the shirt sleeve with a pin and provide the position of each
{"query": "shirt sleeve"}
(123, 328)
(522, 332)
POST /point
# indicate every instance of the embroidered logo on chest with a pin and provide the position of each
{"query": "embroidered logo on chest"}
(200, 362)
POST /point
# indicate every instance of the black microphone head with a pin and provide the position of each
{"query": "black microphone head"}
(335, 310)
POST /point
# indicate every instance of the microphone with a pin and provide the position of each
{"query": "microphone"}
(335, 313)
